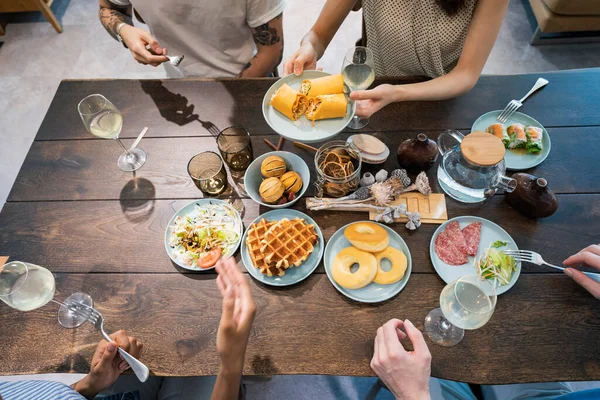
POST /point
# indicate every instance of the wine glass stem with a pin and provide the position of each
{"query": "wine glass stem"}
(124, 148)
(444, 325)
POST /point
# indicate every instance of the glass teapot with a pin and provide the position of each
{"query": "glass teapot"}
(472, 166)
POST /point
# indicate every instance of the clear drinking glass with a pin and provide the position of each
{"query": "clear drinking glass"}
(208, 173)
(236, 149)
(26, 287)
(467, 303)
(102, 119)
(358, 70)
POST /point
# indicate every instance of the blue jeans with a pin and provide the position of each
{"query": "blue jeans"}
(451, 390)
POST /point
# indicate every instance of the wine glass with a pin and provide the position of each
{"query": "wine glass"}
(359, 73)
(26, 287)
(466, 303)
(102, 119)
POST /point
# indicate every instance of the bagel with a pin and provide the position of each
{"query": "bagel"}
(399, 265)
(367, 236)
(367, 268)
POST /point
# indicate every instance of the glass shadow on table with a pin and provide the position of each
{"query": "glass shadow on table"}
(137, 199)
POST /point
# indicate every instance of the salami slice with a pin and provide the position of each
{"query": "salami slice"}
(472, 234)
(447, 251)
(457, 237)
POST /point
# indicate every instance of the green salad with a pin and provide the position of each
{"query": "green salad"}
(494, 264)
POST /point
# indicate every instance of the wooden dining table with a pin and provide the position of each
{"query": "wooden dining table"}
(101, 231)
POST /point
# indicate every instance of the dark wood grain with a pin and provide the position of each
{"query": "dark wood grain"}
(127, 236)
(86, 169)
(197, 107)
(334, 330)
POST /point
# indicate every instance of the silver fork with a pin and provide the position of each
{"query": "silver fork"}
(174, 60)
(514, 105)
(95, 317)
(535, 258)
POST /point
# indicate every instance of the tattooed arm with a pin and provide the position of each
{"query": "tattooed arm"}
(269, 42)
(112, 16)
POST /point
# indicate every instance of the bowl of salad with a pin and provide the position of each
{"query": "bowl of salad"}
(202, 232)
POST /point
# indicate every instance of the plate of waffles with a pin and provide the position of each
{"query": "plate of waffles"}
(282, 247)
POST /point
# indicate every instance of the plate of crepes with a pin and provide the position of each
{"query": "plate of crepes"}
(468, 245)
(367, 262)
(201, 232)
(308, 108)
(282, 247)
(526, 141)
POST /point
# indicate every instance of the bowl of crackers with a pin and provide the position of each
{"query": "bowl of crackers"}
(277, 179)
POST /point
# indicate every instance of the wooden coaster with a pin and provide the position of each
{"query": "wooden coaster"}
(368, 144)
(482, 149)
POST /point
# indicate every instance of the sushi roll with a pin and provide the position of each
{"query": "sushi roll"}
(534, 139)
(499, 130)
(518, 139)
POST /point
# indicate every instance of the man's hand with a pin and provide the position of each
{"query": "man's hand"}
(589, 256)
(405, 373)
(107, 365)
(304, 58)
(136, 40)
(371, 101)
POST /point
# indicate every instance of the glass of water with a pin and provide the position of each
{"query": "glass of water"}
(26, 287)
(466, 303)
(207, 170)
(102, 119)
(358, 71)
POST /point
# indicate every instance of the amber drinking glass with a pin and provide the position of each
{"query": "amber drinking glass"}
(207, 170)
(236, 149)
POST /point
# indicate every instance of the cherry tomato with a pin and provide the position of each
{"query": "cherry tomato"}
(209, 259)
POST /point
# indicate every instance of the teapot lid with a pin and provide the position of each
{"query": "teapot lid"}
(483, 149)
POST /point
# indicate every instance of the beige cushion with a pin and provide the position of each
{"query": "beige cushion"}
(574, 7)
(550, 22)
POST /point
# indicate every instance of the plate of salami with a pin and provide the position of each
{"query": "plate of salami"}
(459, 243)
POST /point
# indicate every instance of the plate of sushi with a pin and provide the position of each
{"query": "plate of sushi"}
(526, 141)
(308, 108)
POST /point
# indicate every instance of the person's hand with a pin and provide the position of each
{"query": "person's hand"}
(238, 313)
(304, 58)
(405, 373)
(372, 100)
(106, 364)
(589, 256)
(136, 40)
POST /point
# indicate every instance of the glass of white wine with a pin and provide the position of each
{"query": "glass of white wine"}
(102, 119)
(358, 70)
(26, 287)
(466, 303)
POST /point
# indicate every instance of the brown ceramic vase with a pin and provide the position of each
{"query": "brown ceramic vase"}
(418, 154)
(532, 196)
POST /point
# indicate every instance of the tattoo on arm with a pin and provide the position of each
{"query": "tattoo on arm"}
(112, 16)
(265, 35)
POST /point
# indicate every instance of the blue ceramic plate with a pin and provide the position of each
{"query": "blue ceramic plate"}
(516, 160)
(374, 292)
(253, 177)
(292, 275)
(189, 209)
(302, 130)
(490, 232)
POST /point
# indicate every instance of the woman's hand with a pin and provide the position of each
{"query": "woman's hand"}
(304, 58)
(136, 40)
(405, 373)
(589, 256)
(238, 314)
(373, 100)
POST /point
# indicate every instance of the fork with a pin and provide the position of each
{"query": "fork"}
(95, 317)
(514, 105)
(174, 60)
(535, 258)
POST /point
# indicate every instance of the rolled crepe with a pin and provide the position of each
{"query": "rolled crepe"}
(327, 106)
(289, 102)
(326, 85)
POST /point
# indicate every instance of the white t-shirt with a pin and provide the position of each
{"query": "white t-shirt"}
(213, 35)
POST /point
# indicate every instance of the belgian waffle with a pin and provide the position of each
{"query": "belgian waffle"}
(256, 234)
(288, 243)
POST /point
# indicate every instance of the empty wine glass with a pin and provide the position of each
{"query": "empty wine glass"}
(102, 119)
(359, 73)
(26, 287)
(466, 303)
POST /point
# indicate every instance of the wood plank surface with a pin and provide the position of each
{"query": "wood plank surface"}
(539, 315)
(198, 107)
(87, 170)
(127, 237)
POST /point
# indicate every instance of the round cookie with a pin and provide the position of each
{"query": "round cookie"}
(367, 268)
(399, 265)
(367, 236)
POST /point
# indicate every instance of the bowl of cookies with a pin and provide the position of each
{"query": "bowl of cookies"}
(277, 179)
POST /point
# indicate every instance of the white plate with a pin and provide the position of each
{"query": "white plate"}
(490, 232)
(370, 158)
(302, 130)
(187, 209)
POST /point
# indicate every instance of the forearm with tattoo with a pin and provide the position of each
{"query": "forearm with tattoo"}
(269, 42)
(111, 16)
